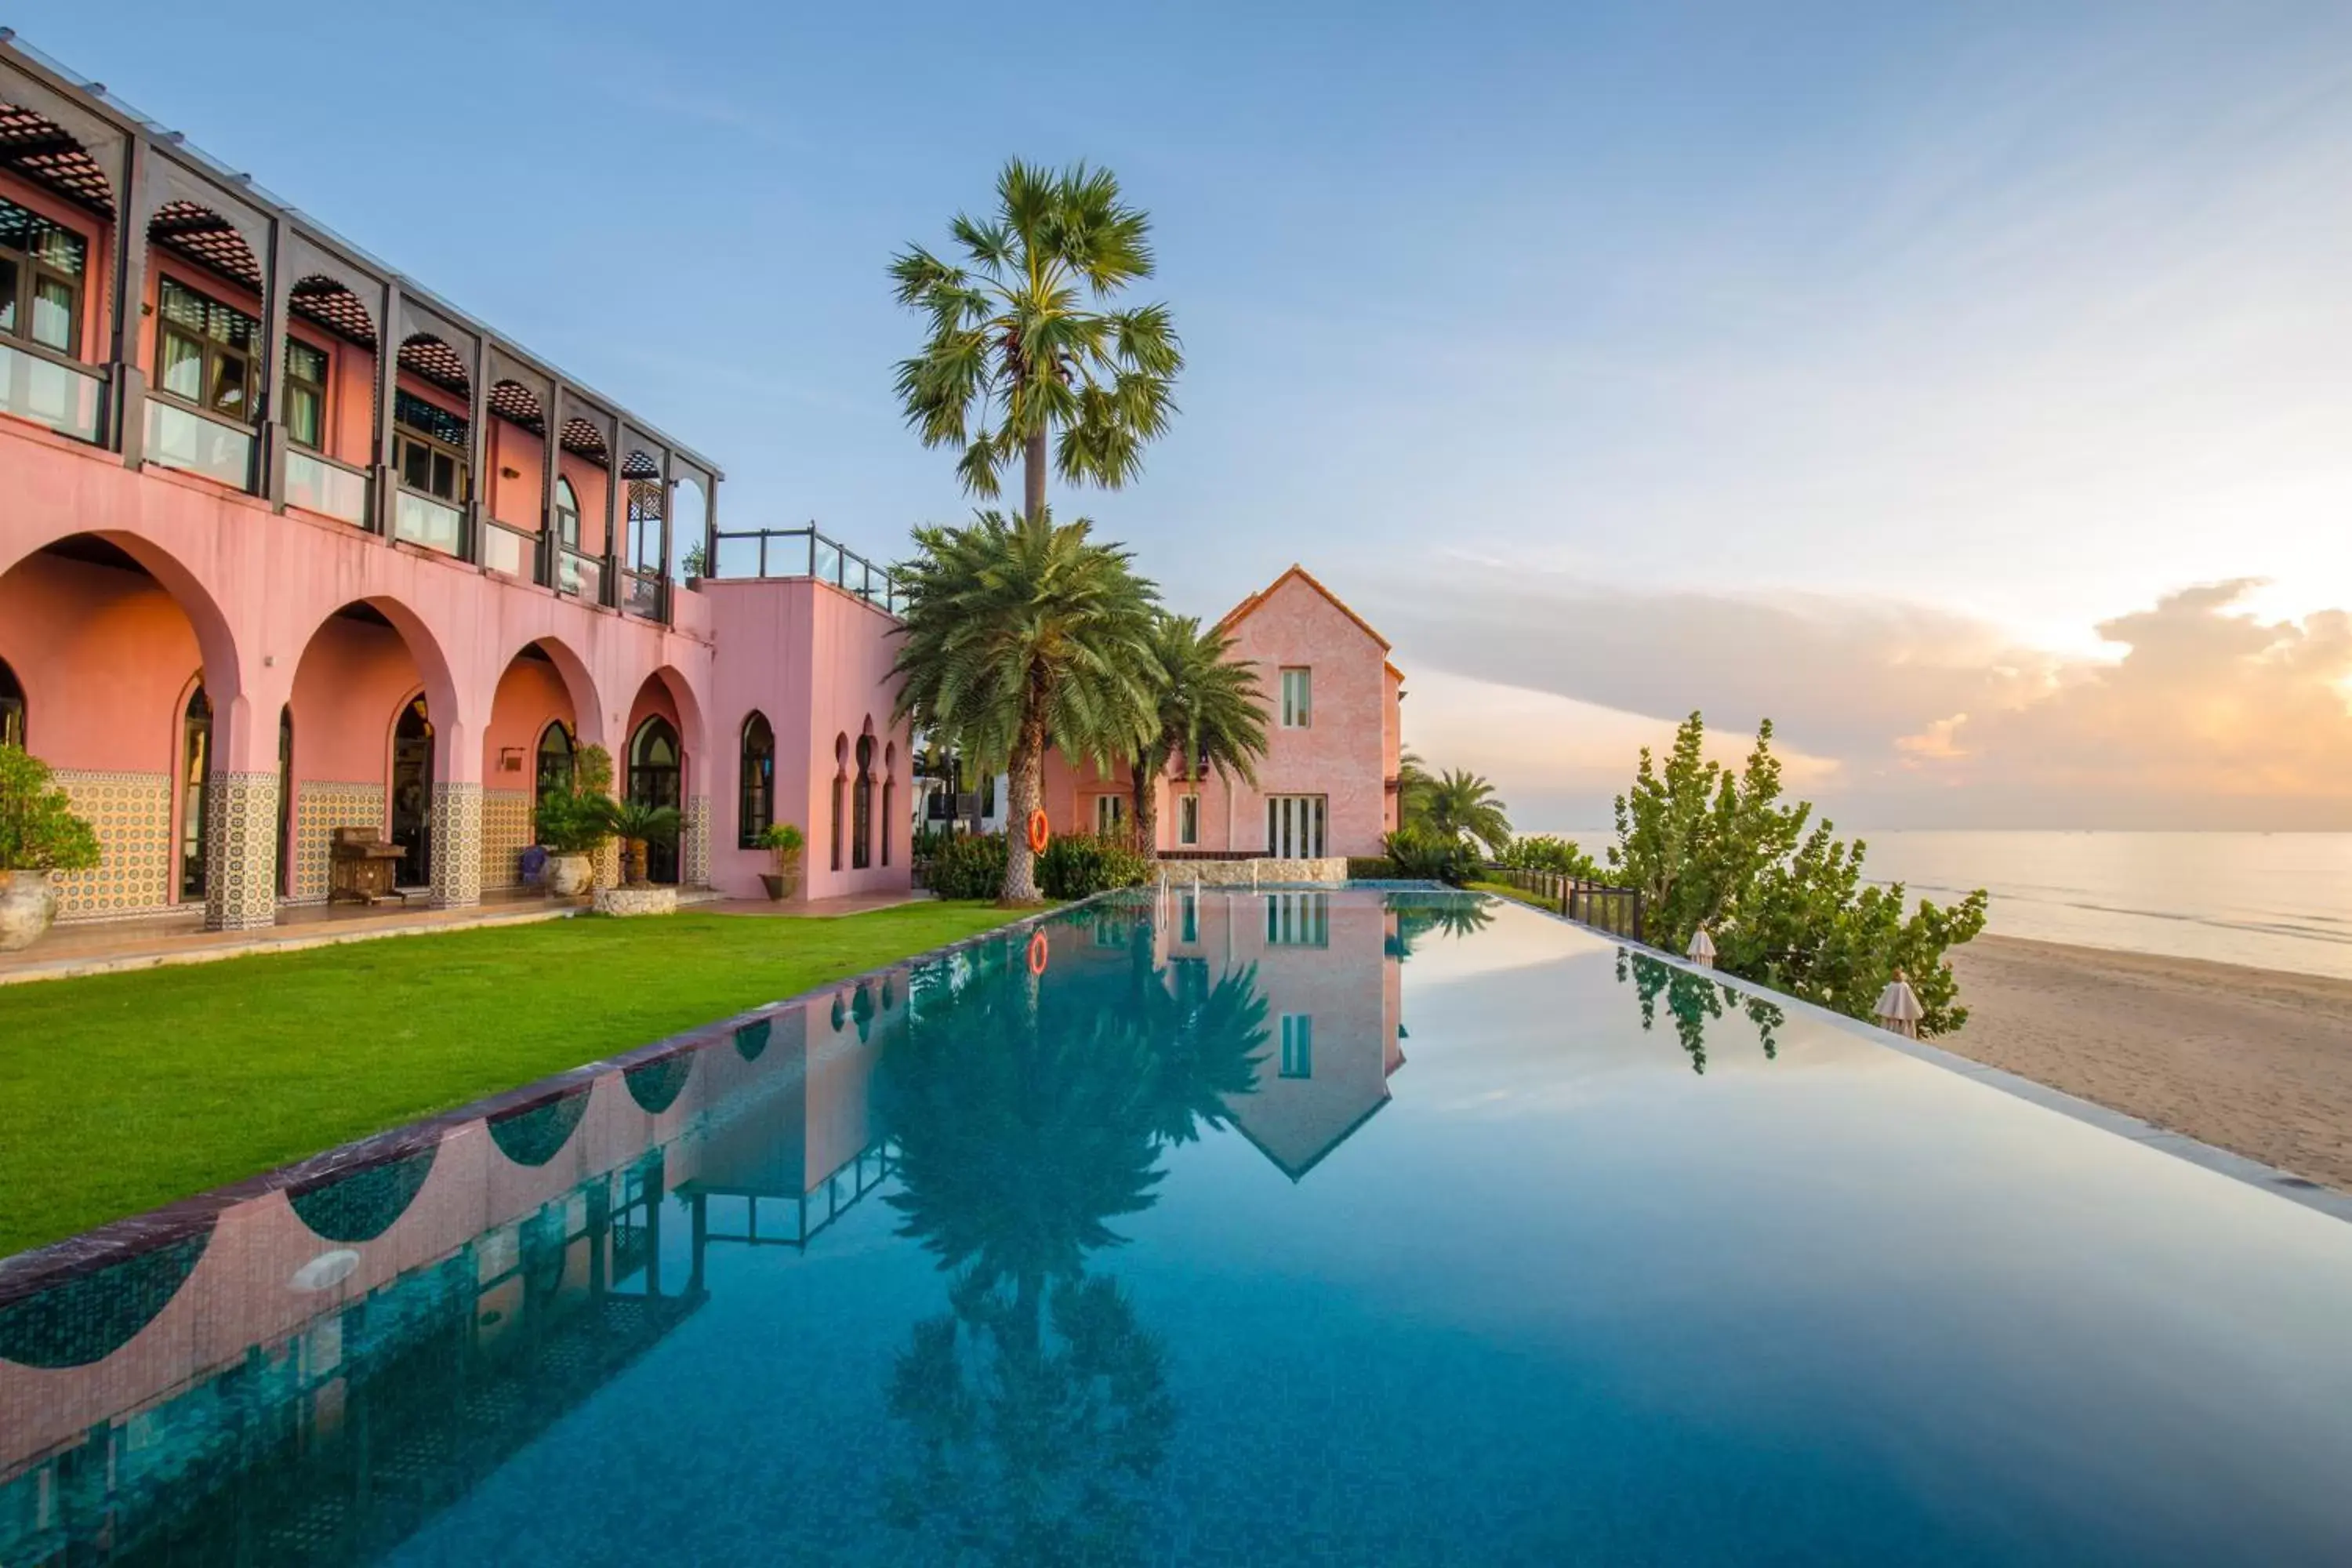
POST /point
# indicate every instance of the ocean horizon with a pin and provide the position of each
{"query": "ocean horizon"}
(2272, 901)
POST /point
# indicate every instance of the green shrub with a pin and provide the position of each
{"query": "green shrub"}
(1078, 866)
(570, 819)
(971, 865)
(1425, 853)
(1372, 868)
(1548, 852)
(38, 829)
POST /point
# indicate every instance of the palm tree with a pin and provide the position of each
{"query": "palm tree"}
(1020, 347)
(1211, 715)
(1461, 804)
(1020, 635)
(636, 825)
(1413, 784)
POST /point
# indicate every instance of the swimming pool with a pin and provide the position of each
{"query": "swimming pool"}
(1351, 1227)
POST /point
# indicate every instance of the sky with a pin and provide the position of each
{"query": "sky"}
(1967, 389)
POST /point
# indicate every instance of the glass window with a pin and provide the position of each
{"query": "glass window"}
(1297, 1045)
(1298, 699)
(12, 709)
(554, 760)
(1110, 815)
(1188, 820)
(757, 806)
(41, 268)
(1298, 920)
(567, 514)
(306, 392)
(205, 351)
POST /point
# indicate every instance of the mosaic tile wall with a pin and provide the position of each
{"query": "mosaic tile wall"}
(133, 814)
(506, 833)
(241, 828)
(694, 849)
(322, 805)
(456, 845)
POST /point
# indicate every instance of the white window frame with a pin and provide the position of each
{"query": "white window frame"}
(1114, 807)
(1297, 826)
(1297, 1045)
(1299, 705)
(1188, 821)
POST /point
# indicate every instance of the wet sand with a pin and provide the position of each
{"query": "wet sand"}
(2256, 1060)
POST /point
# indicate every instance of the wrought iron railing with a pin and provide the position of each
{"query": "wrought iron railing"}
(806, 553)
(1617, 910)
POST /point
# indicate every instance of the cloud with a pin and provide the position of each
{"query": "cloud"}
(1901, 714)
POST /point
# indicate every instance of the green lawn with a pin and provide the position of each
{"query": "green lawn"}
(122, 1091)
(1509, 891)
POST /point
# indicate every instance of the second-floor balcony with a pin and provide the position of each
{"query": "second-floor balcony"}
(238, 343)
(804, 552)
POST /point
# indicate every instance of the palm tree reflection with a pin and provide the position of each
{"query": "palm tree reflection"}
(1452, 915)
(1695, 999)
(1028, 1116)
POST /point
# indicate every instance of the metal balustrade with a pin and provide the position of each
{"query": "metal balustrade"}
(806, 553)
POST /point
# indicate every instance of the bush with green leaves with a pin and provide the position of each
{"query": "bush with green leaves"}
(571, 820)
(38, 829)
(1371, 868)
(1550, 852)
(968, 866)
(1783, 899)
(1425, 854)
(1079, 865)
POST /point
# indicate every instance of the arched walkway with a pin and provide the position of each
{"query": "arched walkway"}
(535, 725)
(666, 695)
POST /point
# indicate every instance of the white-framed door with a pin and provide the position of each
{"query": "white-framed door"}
(1294, 826)
(1111, 817)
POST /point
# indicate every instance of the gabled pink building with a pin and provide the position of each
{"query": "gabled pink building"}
(292, 544)
(1327, 786)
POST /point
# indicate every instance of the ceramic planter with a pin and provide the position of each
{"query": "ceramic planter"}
(27, 904)
(568, 876)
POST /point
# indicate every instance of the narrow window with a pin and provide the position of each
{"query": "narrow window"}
(205, 352)
(567, 514)
(1298, 699)
(1188, 820)
(861, 833)
(756, 796)
(195, 765)
(12, 708)
(306, 394)
(42, 266)
(429, 448)
(553, 775)
(1297, 1045)
(1110, 815)
(839, 783)
(285, 801)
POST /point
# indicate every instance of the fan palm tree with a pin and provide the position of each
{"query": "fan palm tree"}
(1210, 716)
(1463, 804)
(636, 825)
(1020, 635)
(1020, 345)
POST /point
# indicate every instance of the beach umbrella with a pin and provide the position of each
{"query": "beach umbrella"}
(1898, 1007)
(1702, 948)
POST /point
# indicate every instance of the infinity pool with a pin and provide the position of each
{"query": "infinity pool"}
(1347, 1227)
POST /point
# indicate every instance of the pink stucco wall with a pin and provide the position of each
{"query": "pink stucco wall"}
(817, 662)
(1347, 754)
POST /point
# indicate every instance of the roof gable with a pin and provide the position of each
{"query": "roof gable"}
(1251, 605)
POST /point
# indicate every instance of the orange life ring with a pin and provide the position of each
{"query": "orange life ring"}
(1038, 835)
(1039, 950)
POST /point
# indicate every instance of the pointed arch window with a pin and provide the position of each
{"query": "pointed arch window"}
(555, 772)
(756, 802)
(861, 832)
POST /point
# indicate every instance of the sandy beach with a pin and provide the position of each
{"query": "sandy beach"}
(2256, 1060)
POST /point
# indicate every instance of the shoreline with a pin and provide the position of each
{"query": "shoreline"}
(2258, 1062)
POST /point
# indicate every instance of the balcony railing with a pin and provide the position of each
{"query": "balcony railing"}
(806, 553)
(579, 576)
(179, 437)
(641, 594)
(64, 397)
(508, 550)
(422, 520)
(326, 487)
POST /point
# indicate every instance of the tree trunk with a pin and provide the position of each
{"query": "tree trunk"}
(1020, 860)
(1144, 780)
(1032, 476)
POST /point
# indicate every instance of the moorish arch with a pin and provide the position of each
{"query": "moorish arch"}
(115, 613)
(663, 761)
(544, 707)
(380, 729)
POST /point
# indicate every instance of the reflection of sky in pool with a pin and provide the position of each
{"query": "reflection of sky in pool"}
(1287, 1227)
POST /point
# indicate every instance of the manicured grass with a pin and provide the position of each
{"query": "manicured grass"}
(1509, 891)
(122, 1091)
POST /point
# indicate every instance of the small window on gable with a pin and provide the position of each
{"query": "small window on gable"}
(1298, 699)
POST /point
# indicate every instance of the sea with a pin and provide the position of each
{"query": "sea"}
(2273, 900)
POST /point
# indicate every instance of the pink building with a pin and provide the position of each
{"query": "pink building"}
(294, 544)
(1327, 783)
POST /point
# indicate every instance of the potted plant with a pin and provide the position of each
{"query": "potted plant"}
(785, 842)
(40, 836)
(572, 825)
(636, 825)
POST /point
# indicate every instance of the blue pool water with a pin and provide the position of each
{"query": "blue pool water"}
(1299, 1227)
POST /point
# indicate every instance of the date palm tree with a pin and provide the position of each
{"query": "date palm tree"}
(1211, 715)
(1463, 804)
(1021, 344)
(1413, 784)
(1019, 635)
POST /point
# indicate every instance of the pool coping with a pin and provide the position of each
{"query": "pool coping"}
(27, 1274)
(2244, 1168)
